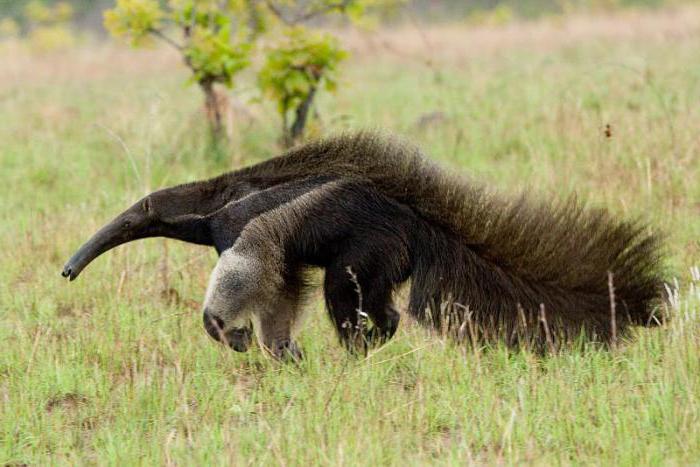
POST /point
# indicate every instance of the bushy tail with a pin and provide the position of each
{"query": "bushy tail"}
(538, 273)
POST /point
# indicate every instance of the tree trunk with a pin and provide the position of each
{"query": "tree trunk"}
(213, 104)
(302, 115)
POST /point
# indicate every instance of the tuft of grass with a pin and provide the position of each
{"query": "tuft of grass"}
(115, 368)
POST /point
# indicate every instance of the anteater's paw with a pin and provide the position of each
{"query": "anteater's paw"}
(286, 350)
(379, 334)
(376, 336)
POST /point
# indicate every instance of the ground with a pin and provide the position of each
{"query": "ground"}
(115, 368)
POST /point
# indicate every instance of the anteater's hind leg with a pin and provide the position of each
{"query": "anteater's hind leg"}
(358, 288)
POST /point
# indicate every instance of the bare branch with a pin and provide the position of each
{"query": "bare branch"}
(613, 318)
(159, 34)
(278, 13)
(308, 15)
(341, 5)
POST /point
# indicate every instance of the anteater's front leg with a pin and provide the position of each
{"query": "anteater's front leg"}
(276, 334)
(253, 282)
(277, 323)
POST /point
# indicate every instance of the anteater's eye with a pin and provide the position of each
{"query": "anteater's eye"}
(127, 224)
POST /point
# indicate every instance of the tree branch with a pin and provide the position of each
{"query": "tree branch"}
(302, 115)
(341, 5)
(308, 15)
(278, 13)
(159, 34)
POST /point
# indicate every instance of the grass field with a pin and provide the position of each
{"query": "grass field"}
(115, 368)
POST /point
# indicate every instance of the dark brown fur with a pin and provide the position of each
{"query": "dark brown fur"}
(499, 257)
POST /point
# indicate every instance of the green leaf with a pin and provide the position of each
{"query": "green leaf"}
(133, 19)
(298, 65)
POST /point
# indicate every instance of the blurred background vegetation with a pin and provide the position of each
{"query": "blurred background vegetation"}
(88, 13)
(219, 39)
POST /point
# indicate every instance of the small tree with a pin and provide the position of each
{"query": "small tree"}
(217, 39)
(293, 73)
(208, 45)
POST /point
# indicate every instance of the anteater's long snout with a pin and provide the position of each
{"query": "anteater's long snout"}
(108, 237)
(89, 251)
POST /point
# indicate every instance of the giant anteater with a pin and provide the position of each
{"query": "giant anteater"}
(374, 213)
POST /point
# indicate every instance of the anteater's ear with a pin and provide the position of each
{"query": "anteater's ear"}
(146, 204)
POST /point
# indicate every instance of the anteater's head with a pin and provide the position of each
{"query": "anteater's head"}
(172, 212)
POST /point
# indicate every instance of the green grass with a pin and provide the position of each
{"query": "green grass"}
(115, 368)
